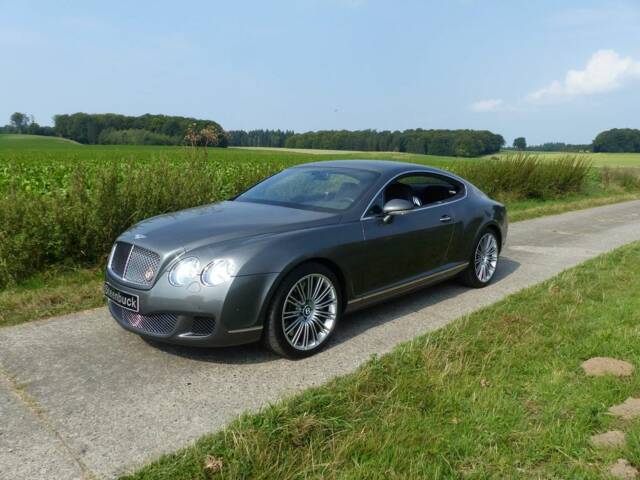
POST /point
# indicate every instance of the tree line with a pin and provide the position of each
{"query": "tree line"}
(520, 143)
(146, 129)
(460, 143)
(618, 140)
(259, 138)
(110, 128)
(560, 147)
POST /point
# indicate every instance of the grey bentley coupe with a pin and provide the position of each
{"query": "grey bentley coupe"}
(285, 260)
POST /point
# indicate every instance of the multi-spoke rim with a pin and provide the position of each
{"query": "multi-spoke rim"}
(309, 311)
(486, 257)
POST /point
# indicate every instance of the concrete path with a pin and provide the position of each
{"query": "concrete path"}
(82, 398)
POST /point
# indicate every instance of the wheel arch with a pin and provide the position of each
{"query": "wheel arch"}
(495, 228)
(330, 264)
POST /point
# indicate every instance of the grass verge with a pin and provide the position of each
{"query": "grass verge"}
(528, 209)
(56, 292)
(497, 394)
(60, 291)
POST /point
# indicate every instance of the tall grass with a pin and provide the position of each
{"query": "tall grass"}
(626, 178)
(78, 223)
(56, 213)
(520, 176)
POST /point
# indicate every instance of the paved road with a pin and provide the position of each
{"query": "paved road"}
(82, 398)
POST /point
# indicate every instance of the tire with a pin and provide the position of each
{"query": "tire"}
(483, 262)
(304, 312)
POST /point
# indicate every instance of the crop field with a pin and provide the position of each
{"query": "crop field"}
(63, 203)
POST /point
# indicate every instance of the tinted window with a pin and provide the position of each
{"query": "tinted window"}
(431, 188)
(331, 189)
(420, 189)
(424, 180)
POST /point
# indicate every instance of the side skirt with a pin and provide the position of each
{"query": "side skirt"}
(404, 287)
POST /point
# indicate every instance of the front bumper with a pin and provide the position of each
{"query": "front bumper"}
(230, 314)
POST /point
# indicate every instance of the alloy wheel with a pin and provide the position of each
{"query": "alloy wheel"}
(486, 257)
(309, 312)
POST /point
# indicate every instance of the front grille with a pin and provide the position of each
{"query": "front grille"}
(156, 324)
(119, 258)
(133, 263)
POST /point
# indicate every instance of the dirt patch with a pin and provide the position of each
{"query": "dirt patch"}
(628, 410)
(612, 439)
(623, 469)
(598, 366)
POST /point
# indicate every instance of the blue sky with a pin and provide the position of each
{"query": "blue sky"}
(548, 70)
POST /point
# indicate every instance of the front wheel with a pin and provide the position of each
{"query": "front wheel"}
(483, 262)
(304, 312)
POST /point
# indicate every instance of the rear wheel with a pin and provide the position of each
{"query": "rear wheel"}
(483, 262)
(304, 312)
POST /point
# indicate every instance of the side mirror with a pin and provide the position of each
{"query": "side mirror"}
(397, 206)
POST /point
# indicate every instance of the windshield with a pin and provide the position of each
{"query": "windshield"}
(316, 188)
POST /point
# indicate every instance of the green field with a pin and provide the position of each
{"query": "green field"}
(497, 394)
(598, 159)
(64, 203)
(16, 141)
(13, 143)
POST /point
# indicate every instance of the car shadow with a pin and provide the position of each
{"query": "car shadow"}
(351, 326)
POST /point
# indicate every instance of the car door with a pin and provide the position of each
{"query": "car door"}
(408, 246)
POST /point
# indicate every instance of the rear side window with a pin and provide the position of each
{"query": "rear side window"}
(421, 189)
(429, 188)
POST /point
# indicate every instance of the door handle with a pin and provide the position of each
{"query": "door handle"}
(445, 218)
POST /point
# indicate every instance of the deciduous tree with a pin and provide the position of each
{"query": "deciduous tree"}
(520, 143)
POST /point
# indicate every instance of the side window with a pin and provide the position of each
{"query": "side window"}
(429, 188)
(418, 188)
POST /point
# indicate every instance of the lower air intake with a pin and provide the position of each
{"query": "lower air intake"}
(156, 324)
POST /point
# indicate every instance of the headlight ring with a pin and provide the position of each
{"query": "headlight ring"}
(184, 272)
(215, 273)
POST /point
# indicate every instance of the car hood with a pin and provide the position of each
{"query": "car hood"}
(220, 222)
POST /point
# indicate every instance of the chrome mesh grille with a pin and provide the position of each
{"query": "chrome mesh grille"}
(135, 264)
(156, 324)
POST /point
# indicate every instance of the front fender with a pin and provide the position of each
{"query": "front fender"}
(279, 254)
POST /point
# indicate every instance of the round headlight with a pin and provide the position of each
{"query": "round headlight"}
(218, 272)
(184, 272)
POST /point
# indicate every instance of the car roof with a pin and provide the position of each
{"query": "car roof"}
(387, 167)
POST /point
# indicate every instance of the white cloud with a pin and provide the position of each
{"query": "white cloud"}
(605, 71)
(489, 105)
